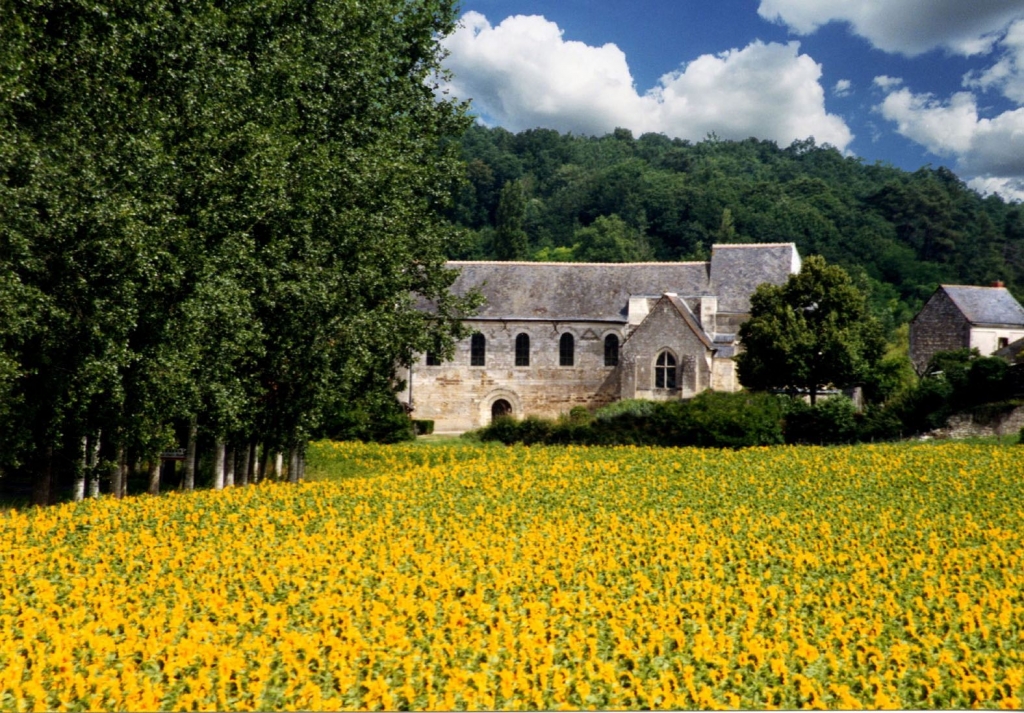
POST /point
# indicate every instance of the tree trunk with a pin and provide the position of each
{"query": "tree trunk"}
(218, 467)
(78, 492)
(119, 474)
(293, 465)
(814, 394)
(229, 469)
(278, 465)
(189, 482)
(261, 472)
(44, 480)
(154, 475)
(116, 473)
(94, 461)
(245, 467)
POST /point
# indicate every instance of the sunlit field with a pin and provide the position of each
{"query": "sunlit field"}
(452, 577)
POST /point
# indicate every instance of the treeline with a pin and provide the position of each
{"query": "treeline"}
(213, 220)
(541, 195)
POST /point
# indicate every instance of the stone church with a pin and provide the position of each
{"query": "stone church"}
(552, 336)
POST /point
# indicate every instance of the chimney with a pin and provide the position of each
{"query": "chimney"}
(998, 283)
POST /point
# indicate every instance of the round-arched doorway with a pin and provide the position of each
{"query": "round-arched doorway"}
(500, 408)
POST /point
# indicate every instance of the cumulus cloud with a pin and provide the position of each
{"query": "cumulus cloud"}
(1007, 74)
(992, 150)
(1011, 189)
(887, 83)
(843, 88)
(910, 27)
(522, 73)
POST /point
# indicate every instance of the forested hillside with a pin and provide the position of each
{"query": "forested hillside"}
(541, 195)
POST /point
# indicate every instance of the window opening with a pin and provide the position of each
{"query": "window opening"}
(478, 350)
(665, 371)
(611, 350)
(566, 350)
(523, 350)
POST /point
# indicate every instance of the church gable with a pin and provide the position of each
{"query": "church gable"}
(670, 337)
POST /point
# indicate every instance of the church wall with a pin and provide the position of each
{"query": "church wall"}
(459, 397)
(664, 328)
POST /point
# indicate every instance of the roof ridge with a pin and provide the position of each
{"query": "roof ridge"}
(752, 245)
(570, 264)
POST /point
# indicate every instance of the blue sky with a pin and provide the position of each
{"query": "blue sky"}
(908, 82)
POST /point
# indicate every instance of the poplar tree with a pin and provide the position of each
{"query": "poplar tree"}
(214, 214)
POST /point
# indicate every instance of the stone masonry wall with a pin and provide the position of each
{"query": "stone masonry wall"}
(966, 425)
(459, 397)
(939, 326)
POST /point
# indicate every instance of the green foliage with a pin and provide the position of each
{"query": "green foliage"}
(243, 244)
(423, 426)
(711, 419)
(609, 239)
(510, 240)
(831, 420)
(813, 332)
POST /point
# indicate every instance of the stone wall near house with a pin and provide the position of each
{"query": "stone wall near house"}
(967, 425)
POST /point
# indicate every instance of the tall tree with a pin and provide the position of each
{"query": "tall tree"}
(813, 332)
(510, 240)
(241, 244)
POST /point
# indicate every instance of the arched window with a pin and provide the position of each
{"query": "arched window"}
(566, 350)
(478, 350)
(665, 371)
(523, 350)
(611, 350)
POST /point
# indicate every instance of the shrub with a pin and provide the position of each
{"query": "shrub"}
(423, 426)
(831, 420)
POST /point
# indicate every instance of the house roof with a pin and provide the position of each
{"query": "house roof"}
(993, 306)
(737, 270)
(573, 291)
(601, 291)
(690, 319)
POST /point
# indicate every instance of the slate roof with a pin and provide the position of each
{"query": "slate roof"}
(601, 291)
(573, 291)
(690, 319)
(737, 270)
(989, 306)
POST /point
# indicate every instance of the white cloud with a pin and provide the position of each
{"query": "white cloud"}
(887, 83)
(1007, 74)
(990, 150)
(843, 88)
(1011, 189)
(910, 27)
(522, 73)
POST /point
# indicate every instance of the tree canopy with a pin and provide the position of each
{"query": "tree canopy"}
(813, 332)
(218, 214)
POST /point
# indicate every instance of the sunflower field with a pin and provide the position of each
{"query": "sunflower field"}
(468, 577)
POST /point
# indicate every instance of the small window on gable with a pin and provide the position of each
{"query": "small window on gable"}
(433, 359)
(665, 371)
(523, 350)
(1003, 342)
(478, 350)
(566, 350)
(611, 350)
